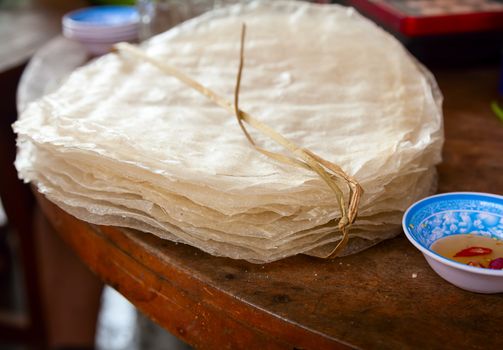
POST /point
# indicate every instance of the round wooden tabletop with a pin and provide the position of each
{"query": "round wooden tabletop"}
(385, 297)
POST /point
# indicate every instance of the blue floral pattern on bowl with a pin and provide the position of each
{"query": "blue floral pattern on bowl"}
(455, 213)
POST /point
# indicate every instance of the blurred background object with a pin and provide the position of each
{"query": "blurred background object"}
(157, 16)
(441, 32)
(98, 28)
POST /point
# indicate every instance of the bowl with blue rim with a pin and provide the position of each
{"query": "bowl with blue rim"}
(443, 215)
(98, 28)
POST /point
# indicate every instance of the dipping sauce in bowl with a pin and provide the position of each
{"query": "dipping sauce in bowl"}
(466, 224)
(472, 250)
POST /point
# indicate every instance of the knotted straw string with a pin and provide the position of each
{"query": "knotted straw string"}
(329, 172)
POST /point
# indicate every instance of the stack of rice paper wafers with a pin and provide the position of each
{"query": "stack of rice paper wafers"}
(122, 143)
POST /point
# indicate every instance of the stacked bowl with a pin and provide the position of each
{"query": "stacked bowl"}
(100, 27)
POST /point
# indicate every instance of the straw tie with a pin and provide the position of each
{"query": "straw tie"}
(300, 157)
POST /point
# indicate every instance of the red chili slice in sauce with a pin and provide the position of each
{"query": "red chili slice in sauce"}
(474, 251)
(496, 264)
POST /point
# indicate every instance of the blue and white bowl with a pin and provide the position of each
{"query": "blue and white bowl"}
(454, 213)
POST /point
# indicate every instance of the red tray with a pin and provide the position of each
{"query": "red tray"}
(432, 17)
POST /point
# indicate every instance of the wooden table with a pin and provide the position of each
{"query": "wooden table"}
(385, 297)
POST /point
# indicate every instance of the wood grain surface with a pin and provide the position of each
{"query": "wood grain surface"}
(383, 298)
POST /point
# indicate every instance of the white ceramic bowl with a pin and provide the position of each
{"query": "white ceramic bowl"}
(457, 213)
